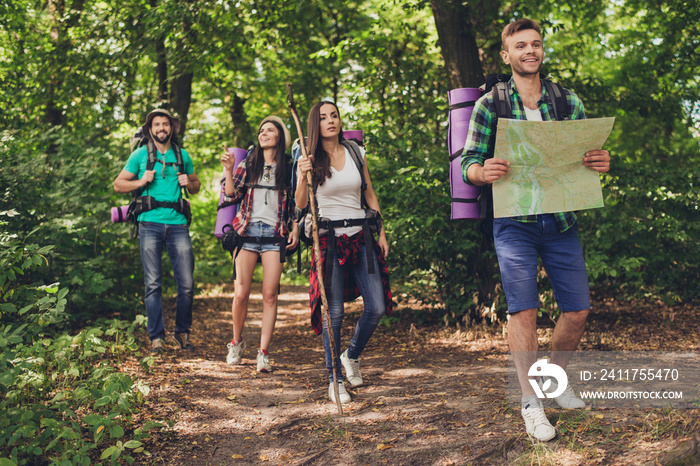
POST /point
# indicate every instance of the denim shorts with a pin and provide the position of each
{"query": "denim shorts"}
(260, 229)
(518, 244)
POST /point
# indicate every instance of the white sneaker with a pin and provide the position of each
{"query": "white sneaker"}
(536, 423)
(344, 395)
(263, 362)
(235, 352)
(352, 369)
(568, 399)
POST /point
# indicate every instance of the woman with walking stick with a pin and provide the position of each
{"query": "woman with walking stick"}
(353, 262)
(262, 182)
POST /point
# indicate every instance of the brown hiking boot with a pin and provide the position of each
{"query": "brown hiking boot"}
(157, 346)
(183, 340)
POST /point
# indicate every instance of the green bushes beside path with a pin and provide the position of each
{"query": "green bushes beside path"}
(63, 399)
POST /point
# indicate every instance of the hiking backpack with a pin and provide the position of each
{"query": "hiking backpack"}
(467, 195)
(143, 203)
(372, 223)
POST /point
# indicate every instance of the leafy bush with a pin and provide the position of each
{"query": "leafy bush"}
(643, 243)
(63, 400)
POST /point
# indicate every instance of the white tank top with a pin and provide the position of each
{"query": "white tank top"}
(339, 196)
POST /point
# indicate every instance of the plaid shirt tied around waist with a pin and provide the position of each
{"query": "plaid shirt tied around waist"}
(481, 138)
(347, 250)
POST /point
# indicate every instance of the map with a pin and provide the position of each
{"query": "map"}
(546, 166)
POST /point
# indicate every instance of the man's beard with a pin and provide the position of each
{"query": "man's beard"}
(161, 139)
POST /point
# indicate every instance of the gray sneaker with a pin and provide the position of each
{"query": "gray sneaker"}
(157, 346)
(352, 370)
(263, 362)
(235, 352)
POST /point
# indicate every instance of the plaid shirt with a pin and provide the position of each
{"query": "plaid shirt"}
(240, 222)
(347, 250)
(481, 138)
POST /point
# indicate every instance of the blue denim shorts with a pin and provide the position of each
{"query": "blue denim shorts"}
(518, 244)
(260, 229)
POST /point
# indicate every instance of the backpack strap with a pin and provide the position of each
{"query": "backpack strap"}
(356, 156)
(180, 165)
(178, 157)
(151, 151)
(501, 100)
(561, 107)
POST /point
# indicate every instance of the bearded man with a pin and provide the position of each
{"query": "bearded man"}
(165, 222)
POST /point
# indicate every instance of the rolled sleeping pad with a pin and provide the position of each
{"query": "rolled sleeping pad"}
(226, 214)
(465, 198)
(353, 134)
(119, 213)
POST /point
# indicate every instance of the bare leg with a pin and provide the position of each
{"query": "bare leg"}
(522, 339)
(272, 270)
(567, 334)
(245, 265)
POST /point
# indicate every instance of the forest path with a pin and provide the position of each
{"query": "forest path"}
(432, 396)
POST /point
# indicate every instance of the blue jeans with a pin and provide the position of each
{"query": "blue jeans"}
(176, 240)
(518, 244)
(372, 292)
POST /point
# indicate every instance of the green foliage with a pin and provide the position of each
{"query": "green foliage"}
(62, 399)
(78, 78)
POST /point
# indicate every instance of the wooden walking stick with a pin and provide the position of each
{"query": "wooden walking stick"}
(317, 246)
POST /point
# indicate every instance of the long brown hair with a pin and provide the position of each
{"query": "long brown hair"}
(256, 160)
(322, 160)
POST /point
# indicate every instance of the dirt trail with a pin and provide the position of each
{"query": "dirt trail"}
(431, 397)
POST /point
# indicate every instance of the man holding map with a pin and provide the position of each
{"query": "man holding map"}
(519, 240)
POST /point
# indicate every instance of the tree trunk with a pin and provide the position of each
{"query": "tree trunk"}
(242, 133)
(458, 44)
(181, 84)
(464, 69)
(181, 98)
(161, 65)
(54, 114)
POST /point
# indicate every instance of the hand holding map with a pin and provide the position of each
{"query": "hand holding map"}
(546, 166)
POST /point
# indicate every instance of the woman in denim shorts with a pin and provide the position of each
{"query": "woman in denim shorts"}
(261, 184)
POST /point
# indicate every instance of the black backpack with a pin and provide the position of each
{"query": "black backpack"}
(500, 84)
(372, 223)
(143, 203)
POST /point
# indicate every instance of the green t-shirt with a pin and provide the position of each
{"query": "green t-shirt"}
(162, 189)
